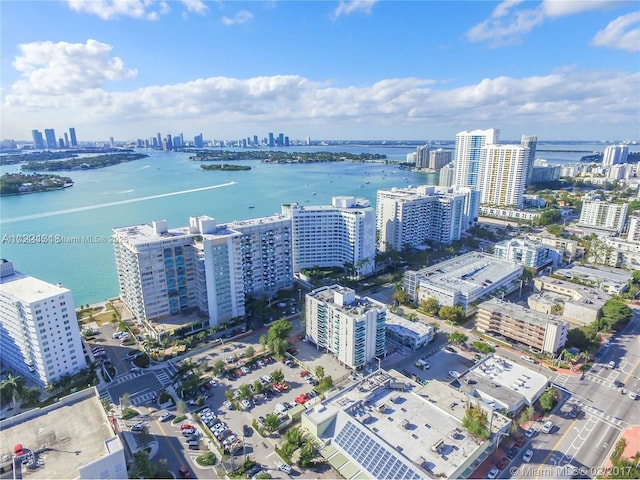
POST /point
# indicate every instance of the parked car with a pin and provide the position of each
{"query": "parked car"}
(187, 426)
(253, 470)
(526, 457)
(164, 417)
(246, 404)
(547, 427)
(512, 452)
(493, 473)
(520, 441)
(284, 467)
(530, 433)
(504, 461)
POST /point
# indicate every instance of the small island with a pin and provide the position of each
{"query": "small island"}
(85, 163)
(229, 168)
(20, 184)
(283, 157)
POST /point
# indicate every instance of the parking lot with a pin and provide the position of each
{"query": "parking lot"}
(239, 421)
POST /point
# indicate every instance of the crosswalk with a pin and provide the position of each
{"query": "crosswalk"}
(596, 412)
(164, 375)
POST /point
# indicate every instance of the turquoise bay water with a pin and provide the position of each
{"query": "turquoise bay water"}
(116, 196)
(98, 202)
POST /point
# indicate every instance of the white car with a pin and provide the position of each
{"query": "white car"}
(164, 417)
(633, 395)
(284, 467)
(493, 473)
(529, 433)
(547, 427)
(527, 456)
(454, 374)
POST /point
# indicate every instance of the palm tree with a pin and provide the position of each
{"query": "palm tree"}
(277, 375)
(319, 371)
(13, 386)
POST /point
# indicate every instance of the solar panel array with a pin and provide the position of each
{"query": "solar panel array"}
(374, 457)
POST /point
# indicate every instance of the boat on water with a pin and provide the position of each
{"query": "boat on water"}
(313, 193)
(252, 206)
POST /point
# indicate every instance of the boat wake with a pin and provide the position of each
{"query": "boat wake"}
(112, 204)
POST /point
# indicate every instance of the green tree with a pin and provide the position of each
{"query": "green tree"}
(249, 351)
(476, 423)
(454, 314)
(399, 296)
(142, 467)
(319, 371)
(277, 375)
(325, 384)
(245, 391)
(279, 330)
(548, 399)
(483, 347)
(218, 367)
(294, 437)
(107, 405)
(457, 338)
(31, 395)
(12, 387)
(430, 306)
(257, 387)
(271, 422)
(555, 229)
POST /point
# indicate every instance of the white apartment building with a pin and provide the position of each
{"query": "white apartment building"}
(446, 175)
(603, 215)
(615, 154)
(164, 272)
(633, 233)
(408, 217)
(467, 155)
(528, 253)
(502, 175)
(333, 235)
(438, 158)
(39, 333)
(541, 331)
(353, 328)
(422, 156)
(266, 254)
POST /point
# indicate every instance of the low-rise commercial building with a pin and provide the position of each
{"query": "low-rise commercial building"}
(539, 331)
(503, 384)
(613, 281)
(387, 426)
(411, 334)
(72, 438)
(462, 280)
(578, 304)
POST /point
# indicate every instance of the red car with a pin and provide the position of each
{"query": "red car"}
(184, 472)
(521, 441)
(302, 398)
(186, 426)
(502, 463)
(239, 373)
(304, 373)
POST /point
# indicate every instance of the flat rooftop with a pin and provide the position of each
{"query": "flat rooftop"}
(386, 426)
(252, 222)
(356, 308)
(519, 312)
(144, 233)
(468, 272)
(614, 277)
(401, 324)
(29, 289)
(509, 376)
(583, 295)
(70, 434)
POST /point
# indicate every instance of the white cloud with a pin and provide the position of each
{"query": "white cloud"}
(66, 83)
(111, 9)
(623, 33)
(347, 7)
(197, 6)
(53, 69)
(501, 30)
(560, 8)
(241, 17)
(507, 25)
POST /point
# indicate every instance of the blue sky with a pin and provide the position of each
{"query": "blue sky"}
(363, 69)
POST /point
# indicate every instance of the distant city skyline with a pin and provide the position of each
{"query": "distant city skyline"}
(361, 69)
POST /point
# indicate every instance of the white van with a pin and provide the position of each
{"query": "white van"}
(280, 409)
